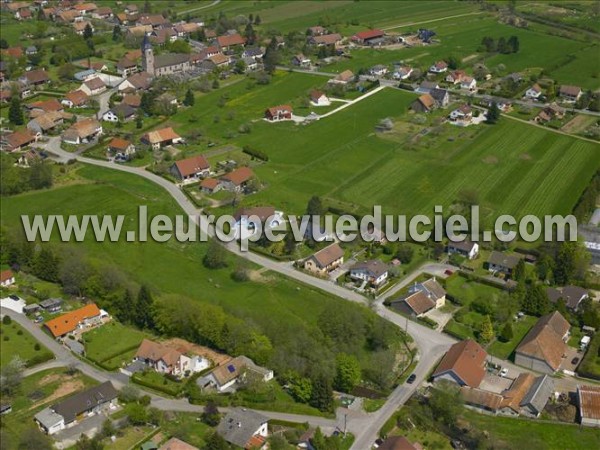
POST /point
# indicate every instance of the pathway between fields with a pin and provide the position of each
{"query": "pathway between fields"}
(408, 24)
(529, 122)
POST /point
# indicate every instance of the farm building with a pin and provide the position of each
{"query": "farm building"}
(588, 400)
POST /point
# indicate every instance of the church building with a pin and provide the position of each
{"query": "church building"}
(163, 64)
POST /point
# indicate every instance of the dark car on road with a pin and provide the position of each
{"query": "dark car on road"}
(14, 297)
(411, 379)
(575, 360)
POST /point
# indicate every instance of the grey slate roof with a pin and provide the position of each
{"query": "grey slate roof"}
(539, 393)
(239, 425)
(48, 418)
(170, 59)
(50, 302)
(503, 260)
(85, 401)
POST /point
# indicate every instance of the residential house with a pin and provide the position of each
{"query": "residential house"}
(80, 26)
(534, 92)
(193, 168)
(17, 140)
(402, 72)
(501, 262)
(378, 70)
(426, 87)
(132, 100)
(75, 99)
(156, 21)
(300, 60)
(82, 132)
(248, 219)
(244, 428)
(463, 364)
(588, 401)
(439, 67)
(570, 93)
(572, 295)
(162, 36)
(254, 52)
(468, 83)
(326, 39)
(28, 158)
(220, 60)
(456, 76)
(46, 122)
(210, 185)
(229, 41)
(174, 444)
(168, 360)
(140, 81)
(325, 260)
(317, 30)
(7, 278)
(347, 76)
(41, 107)
(72, 410)
(250, 64)
(236, 180)
(161, 138)
(184, 30)
(121, 148)
(103, 13)
(425, 103)
(464, 113)
(85, 8)
(237, 369)
(368, 37)
(13, 52)
(319, 98)
(51, 305)
(468, 249)
(31, 50)
(23, 14)
(373, 272)
(85, 75)
(421, 298)
(35, 78)
(398, 443)
(126, 67)
(279, 113)
(76, 321)
(543, 348)
(93, 86)
(118, 113)
(441, 97)
(550, 112)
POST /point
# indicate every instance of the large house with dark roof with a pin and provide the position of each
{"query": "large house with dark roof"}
(373, 272)
(501, 262)
(69, 412)
(225, 376)
(421, 298)
(572, 295)
(325, 260)
(244, 428)
(544, 347)
(463, 364)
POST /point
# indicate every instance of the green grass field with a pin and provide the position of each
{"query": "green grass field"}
(504, 350)
(513, 432)
(112, 344)
(15, 341)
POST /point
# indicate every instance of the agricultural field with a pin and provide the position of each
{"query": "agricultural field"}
(15, 341)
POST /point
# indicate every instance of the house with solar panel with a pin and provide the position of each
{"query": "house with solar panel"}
(235, 371)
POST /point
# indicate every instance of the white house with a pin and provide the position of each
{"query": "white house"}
(167, 360)
(93, 86)
(246, 220)
(379, 70)
(439, 67)
(534, 92)
(374, 272)
(7, 278)
(468, 83)
(225, 376)
(467, 249)
(403, 72)
(318, 98)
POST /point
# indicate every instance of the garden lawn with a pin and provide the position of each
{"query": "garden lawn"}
(504, 350)
(15, 341)
(514, 432)
(112, 344)
(466, 291)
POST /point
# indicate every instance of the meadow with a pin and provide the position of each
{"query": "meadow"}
(15, 341)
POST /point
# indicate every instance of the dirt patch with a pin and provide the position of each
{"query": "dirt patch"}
(187, 347)
(258, 276)
(490, 160)
(525, 157)
(470, 57)
(578, 124)
(69, 386)
(49, 379)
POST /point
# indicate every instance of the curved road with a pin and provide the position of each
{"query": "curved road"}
(365, 427)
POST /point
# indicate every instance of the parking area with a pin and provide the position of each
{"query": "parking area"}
(440, 317)
(495, 383)
(567, 364)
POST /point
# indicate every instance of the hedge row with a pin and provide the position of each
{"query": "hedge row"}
(161, 388)
(255, 153)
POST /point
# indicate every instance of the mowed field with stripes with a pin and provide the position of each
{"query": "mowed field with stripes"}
(514, 168)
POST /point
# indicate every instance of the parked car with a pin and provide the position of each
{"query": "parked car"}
(411, 379)
(504, 372)
(14, 297)
(38, 319)
(448, 272)
(575, 360)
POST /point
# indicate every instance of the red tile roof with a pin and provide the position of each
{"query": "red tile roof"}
(239, 176)
(230, 39)
(68, 322)
(467, 360)
(368, 34)
(6, 275)
(190, 166)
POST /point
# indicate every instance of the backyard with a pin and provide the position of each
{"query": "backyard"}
(18, 342)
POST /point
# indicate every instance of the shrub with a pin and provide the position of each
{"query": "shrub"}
(6, 320)
(37, 347)
(255, 153)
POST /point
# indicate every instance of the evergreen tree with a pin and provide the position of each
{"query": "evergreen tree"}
(189, 98)
(147, 103)
(211, 416)
(318, 440)
(87, 32)
(493, 114)
(487, 330)
(513, 44)
(116, 33)
(536, 301)
(143, 306)
(139, 121)
(45, 265)
(507, 332)
(125, 308)
(315, 206)
(249, 34)
(3, 43)
(257, 20)
(565, 263)
(15, 113)
(322, 394)
(271, 57)
(519, 271)
(502, 46)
